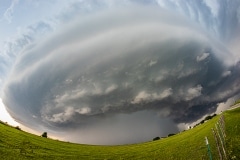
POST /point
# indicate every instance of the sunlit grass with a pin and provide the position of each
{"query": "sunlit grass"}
(16, 144)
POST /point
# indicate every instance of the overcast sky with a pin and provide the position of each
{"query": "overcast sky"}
(117, 72)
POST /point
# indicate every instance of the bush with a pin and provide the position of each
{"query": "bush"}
(156, 138)
(208, 118)
(18, 128)
(44, 134)
(202, 122)
(171, 134)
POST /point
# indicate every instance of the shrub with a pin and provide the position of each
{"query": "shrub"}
(171, 134)
(202, 122)
(156, 138)
(208, 118)
(18, 128)
(44, 134)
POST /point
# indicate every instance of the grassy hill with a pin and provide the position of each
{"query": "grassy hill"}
(16, 144)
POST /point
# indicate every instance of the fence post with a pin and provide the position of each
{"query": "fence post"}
(222, 143)
(209, 150)
(222, 127)
(217, 143)
(221, 132)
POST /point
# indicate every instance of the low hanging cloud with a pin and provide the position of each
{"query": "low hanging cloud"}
(117, 63)
(143, 96)
(123, 128)
(193, 92)
(202, 57)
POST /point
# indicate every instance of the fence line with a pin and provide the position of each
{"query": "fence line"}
(221, 132)
(219, 137)
(224, 152)
(217, 143)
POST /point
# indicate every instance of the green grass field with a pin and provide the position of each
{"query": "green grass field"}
(189, 145)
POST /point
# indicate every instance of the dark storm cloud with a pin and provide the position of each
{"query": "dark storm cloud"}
(123, 129)
(95, 72)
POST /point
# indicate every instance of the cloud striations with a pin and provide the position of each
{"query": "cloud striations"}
(97, 71)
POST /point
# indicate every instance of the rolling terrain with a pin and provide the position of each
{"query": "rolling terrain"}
(17, 144)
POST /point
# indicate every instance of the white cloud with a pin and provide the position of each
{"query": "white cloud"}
(143, 96)
(224, 105)
(62, 117)
(226, 73)
(202, 57)
(214, 6)
(162, 75)
(161, 3)
(60, 100)
(151, 63)
(84, 110)
(166, 93)
(8, 15)
(111, 88)
(159, 78)
(187, 72)
(193, 92)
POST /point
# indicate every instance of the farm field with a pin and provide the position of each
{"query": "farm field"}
(17, 144)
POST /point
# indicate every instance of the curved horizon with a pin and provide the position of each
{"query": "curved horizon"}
(106, 72)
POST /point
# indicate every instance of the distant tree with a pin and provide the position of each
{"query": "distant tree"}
(208, 118)
(17, 127)
(202, 122)
(44, 134)
(171, 134)
(214, 115)
(156, 138)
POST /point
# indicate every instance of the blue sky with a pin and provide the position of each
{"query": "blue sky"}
(96, 68)
(16, 15)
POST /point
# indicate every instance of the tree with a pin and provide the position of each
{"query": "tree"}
(208, 118)
(171, 134)
(156, 138)
(18, 128)
(44, 134)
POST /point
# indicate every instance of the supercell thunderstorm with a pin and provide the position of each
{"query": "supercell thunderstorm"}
(125, 74)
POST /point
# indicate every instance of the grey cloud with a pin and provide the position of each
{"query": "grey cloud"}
(122, 129)
(117, 64)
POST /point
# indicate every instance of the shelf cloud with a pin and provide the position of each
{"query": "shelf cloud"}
(123, 70)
